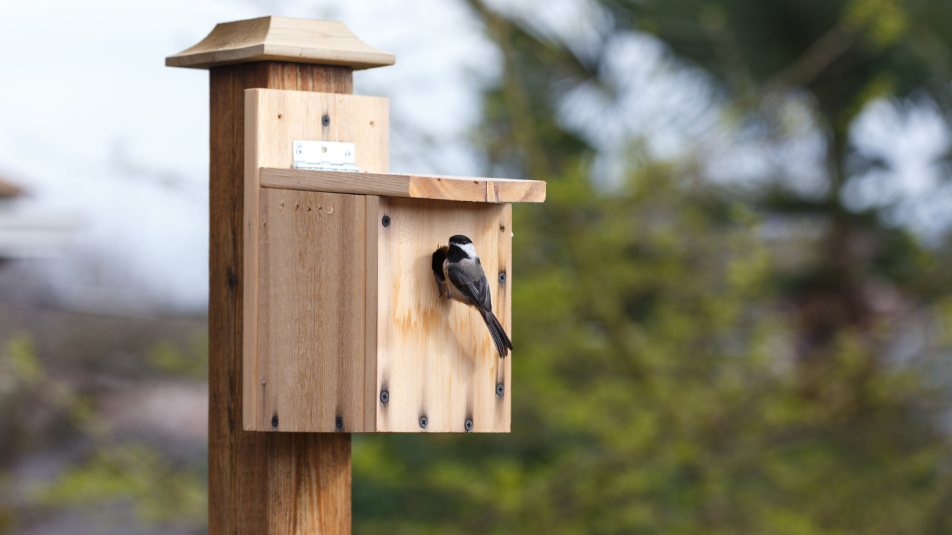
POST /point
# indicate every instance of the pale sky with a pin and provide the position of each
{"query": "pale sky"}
(98, 130)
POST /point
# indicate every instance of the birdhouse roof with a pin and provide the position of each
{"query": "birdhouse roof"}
(324, 42)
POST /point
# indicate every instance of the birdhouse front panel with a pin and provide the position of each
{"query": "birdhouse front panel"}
(347, 326)
(435, 358)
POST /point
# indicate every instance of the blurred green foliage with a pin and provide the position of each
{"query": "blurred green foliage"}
(111, 471)
(160, 492)
(674, 372)
(655, 391)
(191, 361)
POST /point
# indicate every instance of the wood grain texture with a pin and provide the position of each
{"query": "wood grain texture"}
(248, 472)
(502, 307)
(281, 39)
(280, 117)
(320, 346)
(303, 465)
(312, 310)
(447, 188)
(434, 356)
(273, 120)
(372, 292)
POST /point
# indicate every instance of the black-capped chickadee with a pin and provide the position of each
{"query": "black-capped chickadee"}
(459, 273)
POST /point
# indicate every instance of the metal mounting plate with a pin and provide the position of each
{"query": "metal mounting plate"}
(325, 156)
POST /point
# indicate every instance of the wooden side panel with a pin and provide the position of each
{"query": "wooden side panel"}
(370, 305)
(435, 357)
(502, 307)
(250, 475)
(312, 312)
(273, 120)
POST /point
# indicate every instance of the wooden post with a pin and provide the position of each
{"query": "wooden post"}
(263, 483)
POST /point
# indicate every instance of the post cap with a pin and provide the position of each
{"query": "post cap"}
(326, 42)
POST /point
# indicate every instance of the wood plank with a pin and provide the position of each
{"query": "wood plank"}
(276, 118)
(371, 293)
(435, 357)
(312, 307)
(447, 188)
(246, 484)
(326, 42)
(250, 212)
(502, 307)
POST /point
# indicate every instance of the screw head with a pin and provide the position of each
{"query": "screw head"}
(500, 389)
(326, 120)
(423, 422)
(469, 426)
(384, 396)
(385, 221)
(274, 421)
(502, 278)
(339, 422)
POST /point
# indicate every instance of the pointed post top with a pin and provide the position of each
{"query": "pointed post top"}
(324, 42)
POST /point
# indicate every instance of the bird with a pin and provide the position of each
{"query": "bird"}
(459, 274)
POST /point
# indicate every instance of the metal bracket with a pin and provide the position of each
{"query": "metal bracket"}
(325, 156)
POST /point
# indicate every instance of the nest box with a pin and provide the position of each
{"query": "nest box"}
(344, 329)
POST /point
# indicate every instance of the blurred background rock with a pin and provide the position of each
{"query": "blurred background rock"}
(733, 314)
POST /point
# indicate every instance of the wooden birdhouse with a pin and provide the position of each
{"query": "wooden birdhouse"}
(343, 325)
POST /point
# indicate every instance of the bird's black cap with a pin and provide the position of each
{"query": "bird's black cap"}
(459, 239)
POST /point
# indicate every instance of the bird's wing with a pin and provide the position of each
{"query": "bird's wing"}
(471, 282)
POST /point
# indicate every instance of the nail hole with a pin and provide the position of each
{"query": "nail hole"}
(384, 396)
(339, 422)
(469, 426)
(325, 120)
(423, 422)
(500, 389)
(386, 221)
(274, 421)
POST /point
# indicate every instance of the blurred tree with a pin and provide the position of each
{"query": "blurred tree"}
(670, 374)
(843, 54)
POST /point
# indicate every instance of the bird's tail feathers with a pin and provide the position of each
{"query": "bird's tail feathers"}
(499, 336)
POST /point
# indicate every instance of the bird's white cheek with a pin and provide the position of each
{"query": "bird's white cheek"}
(469, 250)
